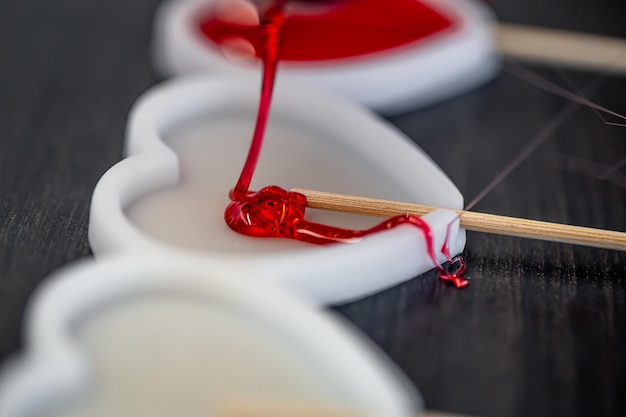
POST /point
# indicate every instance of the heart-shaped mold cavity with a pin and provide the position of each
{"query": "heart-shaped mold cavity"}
(187, 140)
(437, 49)
(145, 337)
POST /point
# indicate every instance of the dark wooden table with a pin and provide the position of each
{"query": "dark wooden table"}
(542, 329)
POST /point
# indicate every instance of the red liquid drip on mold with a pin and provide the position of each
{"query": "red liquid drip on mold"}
(346, 29)
(278, 213)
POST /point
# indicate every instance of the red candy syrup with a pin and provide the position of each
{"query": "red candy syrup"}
(275, 212)
(348, 28)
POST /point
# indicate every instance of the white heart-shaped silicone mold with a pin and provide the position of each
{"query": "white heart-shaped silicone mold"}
(186, 142)
(151, 337)
(420, 73)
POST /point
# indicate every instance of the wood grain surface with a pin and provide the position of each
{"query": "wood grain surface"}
(542, 329)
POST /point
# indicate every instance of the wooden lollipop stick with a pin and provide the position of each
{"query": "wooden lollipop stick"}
(248, 406)
(575, 49)
(245, 406)
(481, 222)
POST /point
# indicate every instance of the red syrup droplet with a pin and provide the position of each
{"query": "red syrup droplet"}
(278, 213)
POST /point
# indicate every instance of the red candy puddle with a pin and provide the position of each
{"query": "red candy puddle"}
(346, 29)
(275, 212)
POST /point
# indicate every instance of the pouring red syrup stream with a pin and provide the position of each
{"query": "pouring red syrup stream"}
(275, 212)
